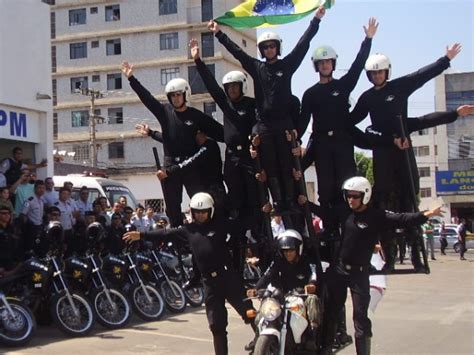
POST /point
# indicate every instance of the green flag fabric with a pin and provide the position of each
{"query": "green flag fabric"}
(261, 13)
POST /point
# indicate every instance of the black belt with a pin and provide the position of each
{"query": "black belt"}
(176, 159)
(215, 273)
(349, 267)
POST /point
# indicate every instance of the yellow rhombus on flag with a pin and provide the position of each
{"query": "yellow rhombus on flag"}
(260, 13)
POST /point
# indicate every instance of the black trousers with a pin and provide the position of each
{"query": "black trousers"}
(338, 280)
(172, 188)
(226, 286)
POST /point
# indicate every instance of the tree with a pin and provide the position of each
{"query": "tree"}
(364, 166)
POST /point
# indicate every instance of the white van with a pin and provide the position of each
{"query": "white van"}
(97, 186)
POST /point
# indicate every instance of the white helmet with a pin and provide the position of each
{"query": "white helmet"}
(236, 76)
(202, 201)
(378, 61)
(269, 36)
(177, 85)
(290, 239)
(360, 184)
(324, 52)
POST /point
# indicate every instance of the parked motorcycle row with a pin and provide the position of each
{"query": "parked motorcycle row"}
(75, 292)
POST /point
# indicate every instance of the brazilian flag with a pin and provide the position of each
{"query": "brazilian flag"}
(260, 13)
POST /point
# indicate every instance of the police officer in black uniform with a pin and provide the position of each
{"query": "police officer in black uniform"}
(11, 248)
(361, 231)
(179, 124)
(207, 238)
(272, 83)
(113, 242)
(386, 101)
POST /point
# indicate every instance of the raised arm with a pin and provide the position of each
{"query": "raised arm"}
(438, 118)
(298, 53)
(409, 219)
(211, 127)
(357, 66)
(171, 234)
(145, 96)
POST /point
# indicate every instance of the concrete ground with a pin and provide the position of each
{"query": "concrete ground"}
(419, 314)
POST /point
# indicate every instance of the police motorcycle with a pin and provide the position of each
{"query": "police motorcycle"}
(125, 272)
(112, 309)
(43, 286)
(17, 322)
(182, 263)
(157, 270)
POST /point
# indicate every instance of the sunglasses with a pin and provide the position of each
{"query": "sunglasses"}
(354, 196)
(267, 46)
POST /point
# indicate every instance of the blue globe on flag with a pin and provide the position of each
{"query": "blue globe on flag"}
(273, 7)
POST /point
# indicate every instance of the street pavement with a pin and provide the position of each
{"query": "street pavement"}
(419, 314)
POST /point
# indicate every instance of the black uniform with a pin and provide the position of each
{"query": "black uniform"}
(179, 143)
(384, 105)
(11, 248)
(272, 84)
(239, 118)
(361, 231)
(113, 242)
(333, 146)
(286, 276)
(221, 283)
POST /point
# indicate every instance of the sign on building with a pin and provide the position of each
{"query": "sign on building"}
(455, 182)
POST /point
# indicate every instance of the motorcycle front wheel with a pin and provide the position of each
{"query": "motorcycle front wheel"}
(174, 296)
(195, 296)
(266, 345)
(111, 315)
(147, 309)
(16, 328)
(66, 320)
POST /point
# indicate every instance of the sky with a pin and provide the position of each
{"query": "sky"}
(412, 33)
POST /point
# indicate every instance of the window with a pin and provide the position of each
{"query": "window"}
(425, 192)
(116, 150)
(167, 7)
(114, 47)
(95, 44)
(207, 40)
(422, 151)
(435, 130)
(79, 83)
(95, 78)
(197, 85)
(97, 112)
(436, 149)
(53, 59)
(423, 132)
(206, 10)
(244, 43)
(112, 13)
(78, 50)
(55, 91)
(464, 149)
(424, 172)
(53, 25)
(94, 10)
(168, 73)
(80, 118)
(77, 17)
(81, 152)
(55, 125)
(115, 115)
(114, 81)
(169, 41)
(210, 108)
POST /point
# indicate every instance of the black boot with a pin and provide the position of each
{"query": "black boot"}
(363, 346)
(220, 344)
(275, 190)
(251, 345)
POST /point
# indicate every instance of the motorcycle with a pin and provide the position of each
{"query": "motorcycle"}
(160, 275)
(17, 323)
(43, 284)
(282, 323)
(111, 307)
(124, 273)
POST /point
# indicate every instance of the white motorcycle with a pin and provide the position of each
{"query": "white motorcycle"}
(283, 324)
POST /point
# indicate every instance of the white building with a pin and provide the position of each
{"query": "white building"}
(25, 85)
(445, 154)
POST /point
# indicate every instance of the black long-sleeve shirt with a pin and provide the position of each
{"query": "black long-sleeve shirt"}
(362, 230)
(386, 103)
(272, 82)
(329, 103)
(287, 277)
(239, 117)
(207, 242)
(178, 128)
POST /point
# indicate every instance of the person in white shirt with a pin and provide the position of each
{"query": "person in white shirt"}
(83, 204)
(138, 220)
(50, 196)
(148, 219)
(277, 224)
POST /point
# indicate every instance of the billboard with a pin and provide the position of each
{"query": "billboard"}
(451, 182)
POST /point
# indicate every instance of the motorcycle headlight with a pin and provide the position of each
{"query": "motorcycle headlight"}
(270, 309)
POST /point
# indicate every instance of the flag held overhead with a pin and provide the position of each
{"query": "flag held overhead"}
(260, 13)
